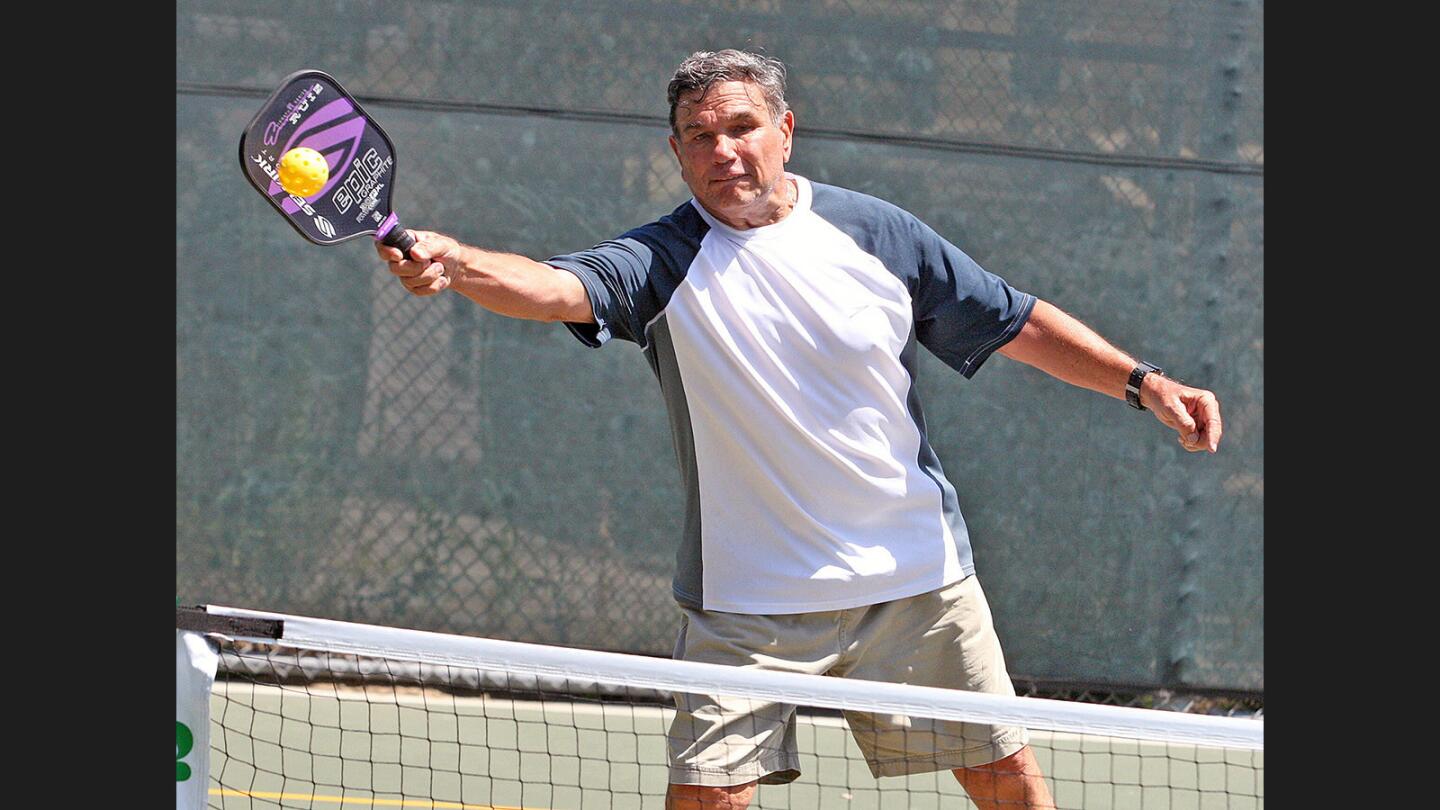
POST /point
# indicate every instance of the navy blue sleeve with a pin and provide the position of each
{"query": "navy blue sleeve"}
(962, 312)
(630, 279)
(615, 274)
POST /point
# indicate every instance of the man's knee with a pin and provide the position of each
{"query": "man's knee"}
(707, 797)
(1005, 774)
(1010, 782)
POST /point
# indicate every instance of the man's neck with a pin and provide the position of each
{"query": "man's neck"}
(772, 208)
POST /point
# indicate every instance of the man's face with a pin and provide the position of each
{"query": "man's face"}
(732, 153)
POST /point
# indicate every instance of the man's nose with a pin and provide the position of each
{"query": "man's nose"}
(724, 149)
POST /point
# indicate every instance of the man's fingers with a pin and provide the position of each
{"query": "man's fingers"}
(1184, 423)
(1213, 430)
(417, 263)
(1198, 421)
(422, 251)
(422, 272)
(429, 288)
(1214, 426)
(1186, 427)
(421, 279)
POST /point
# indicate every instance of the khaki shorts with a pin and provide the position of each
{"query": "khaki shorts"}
(944, 638)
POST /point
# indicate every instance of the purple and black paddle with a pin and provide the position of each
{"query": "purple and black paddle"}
(312, 110)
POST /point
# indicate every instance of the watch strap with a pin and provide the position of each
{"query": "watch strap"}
(1137, 376)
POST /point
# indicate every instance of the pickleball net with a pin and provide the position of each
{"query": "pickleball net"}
(313, 713)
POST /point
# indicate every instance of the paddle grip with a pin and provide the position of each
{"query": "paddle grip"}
(399, 238)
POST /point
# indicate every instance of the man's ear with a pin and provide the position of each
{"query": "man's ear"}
(675, 150)
(787, 126)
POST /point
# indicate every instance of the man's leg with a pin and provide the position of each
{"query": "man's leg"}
(722, 746)
(704, 797)
(946, 639)
(1012, 783)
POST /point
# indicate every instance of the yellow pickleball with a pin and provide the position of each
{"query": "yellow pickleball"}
(303, 171)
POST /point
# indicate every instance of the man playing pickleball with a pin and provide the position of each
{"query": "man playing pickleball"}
(781, 318)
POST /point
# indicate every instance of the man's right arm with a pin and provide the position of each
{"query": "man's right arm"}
(504, 283)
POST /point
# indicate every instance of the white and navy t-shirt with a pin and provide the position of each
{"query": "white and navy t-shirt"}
(786, 356)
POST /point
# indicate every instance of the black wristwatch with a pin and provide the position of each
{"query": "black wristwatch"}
(1132, 388)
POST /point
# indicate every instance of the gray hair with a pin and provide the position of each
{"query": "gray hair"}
(703, 69)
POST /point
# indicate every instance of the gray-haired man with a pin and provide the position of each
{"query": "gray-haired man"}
(781, 318)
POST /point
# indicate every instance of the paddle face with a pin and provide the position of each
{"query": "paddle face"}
(312, 110)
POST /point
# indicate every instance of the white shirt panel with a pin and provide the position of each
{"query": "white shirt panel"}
(788, 338)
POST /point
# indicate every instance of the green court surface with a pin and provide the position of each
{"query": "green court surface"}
(414, 748)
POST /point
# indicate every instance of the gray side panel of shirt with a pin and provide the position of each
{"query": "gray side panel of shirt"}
(689, 583)
(930, 464)
(629, 281)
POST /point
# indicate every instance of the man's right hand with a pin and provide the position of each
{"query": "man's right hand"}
(505, 283)
(437, 259)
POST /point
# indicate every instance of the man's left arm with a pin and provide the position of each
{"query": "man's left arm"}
(1067, 349)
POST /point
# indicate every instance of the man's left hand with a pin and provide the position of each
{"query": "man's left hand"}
(1194, 413)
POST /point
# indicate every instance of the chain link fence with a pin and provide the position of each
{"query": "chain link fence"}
(348, 451)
